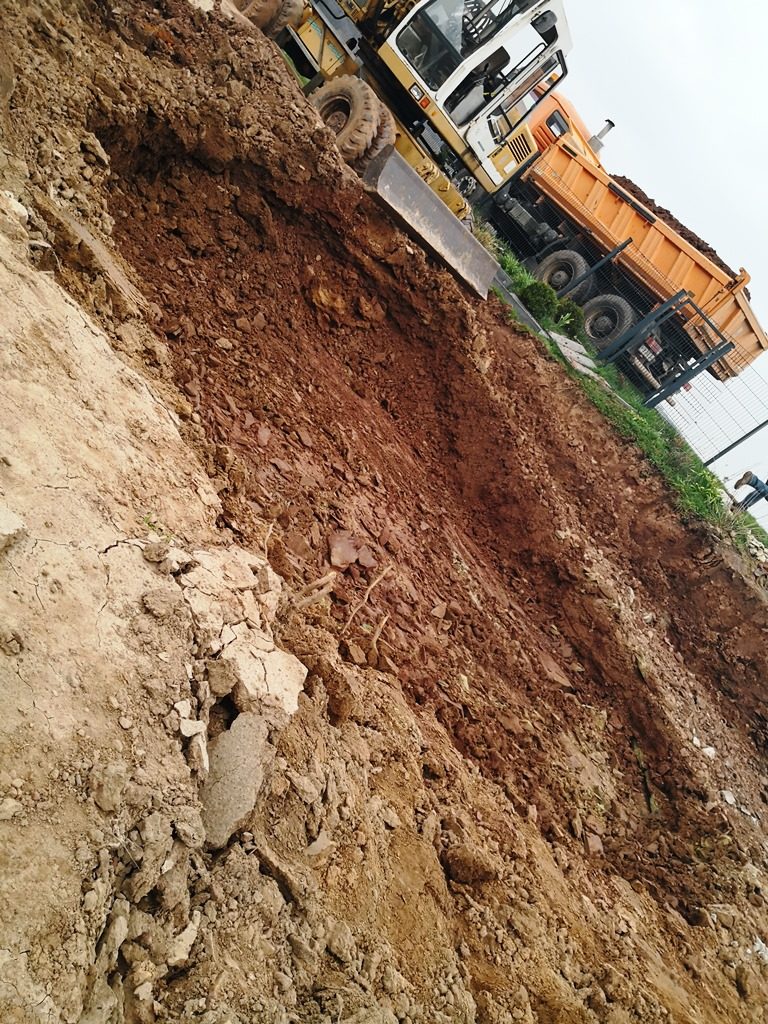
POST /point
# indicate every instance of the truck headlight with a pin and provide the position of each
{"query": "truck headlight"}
(416, 92)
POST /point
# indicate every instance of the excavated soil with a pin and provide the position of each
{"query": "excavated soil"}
(670, 219)
(525, 776)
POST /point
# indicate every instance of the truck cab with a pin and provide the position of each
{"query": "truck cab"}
(554, 117)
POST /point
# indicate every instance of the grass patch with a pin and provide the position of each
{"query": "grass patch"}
(509, 263)
(513, 268)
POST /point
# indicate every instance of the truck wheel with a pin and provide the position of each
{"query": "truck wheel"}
(560, 268)
(259, 12)
(288, 13)
(606, 318)
(386, 134)
(352, 111)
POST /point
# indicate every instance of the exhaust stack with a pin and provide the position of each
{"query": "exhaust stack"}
(596, 142)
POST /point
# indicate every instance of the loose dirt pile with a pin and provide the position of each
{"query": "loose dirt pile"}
(670, 219)
(354, 670)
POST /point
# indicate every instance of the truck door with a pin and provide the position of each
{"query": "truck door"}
(490, 134)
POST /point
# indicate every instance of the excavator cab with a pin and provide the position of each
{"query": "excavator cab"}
(473, 67)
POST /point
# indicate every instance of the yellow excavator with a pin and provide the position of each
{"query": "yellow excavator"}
(433, 92)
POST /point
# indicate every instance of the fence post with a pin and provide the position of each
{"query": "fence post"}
(693, 371)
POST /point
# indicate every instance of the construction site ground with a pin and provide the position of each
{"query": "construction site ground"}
(353, 670)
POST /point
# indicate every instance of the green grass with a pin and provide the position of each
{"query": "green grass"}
(519, 276)
(516, 272)
(289, 61)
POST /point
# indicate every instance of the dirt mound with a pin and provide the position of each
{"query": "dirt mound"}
(674, 223)
(492, 747)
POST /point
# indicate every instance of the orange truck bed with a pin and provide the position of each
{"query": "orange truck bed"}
(659, 258)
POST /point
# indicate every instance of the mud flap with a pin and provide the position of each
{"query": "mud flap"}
(421, 213)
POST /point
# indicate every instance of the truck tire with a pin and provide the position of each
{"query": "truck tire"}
(386, 134)
(259, 12)
(560, 268)
(606, 318)
(352, 111)
(288, 13)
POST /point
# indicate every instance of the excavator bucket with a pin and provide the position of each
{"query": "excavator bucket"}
(423, 215)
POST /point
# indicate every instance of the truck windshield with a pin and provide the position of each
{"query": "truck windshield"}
(504, 119)
(446, 32)
(504, 69)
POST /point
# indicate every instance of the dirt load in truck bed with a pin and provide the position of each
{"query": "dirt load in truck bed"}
(355, 671)
(669, 218)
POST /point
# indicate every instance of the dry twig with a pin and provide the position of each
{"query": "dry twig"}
(374, 583)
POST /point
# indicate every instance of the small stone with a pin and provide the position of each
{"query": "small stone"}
(188, 826)
(593, 843)
(323, 844)
(356, 654)
(469, 864)
(238, 759)
(340, 942)
(9, 808)
(184, 707)
(343, 549)
(125, 722)
(191, 727)
(108, 784)
(143, 992)
(10, 641)
(180, 947)
(197, 754)
(390, 818)
(12, 528)
(745, 982)
(156, 551)
(728, 797)
(386, 664)
(92, 145)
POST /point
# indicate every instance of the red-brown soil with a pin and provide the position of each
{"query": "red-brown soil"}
(528, 586)
(345, 388)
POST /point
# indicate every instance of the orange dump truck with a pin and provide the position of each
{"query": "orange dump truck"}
(565, 213)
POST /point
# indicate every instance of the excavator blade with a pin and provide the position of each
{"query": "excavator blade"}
(421, 213)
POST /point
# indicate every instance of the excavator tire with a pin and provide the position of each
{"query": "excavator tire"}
(259, 12)
(288, 13)
(606, 318)
(352, 111)
(561, 267)
(385, 136)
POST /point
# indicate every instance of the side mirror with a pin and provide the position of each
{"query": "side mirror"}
(545, 22)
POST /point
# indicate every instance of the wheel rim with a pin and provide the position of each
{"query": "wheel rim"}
(560, 277)
(602, 323)
(336, 113)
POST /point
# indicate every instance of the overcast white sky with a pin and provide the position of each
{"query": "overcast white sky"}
(686, 82)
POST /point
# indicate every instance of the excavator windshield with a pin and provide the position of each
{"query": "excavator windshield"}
(444, 33)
